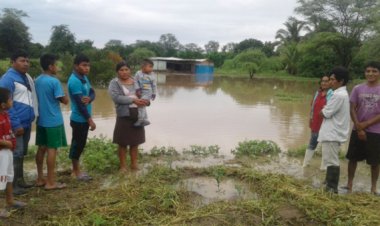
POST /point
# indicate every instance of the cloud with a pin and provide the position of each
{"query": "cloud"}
(196, 21)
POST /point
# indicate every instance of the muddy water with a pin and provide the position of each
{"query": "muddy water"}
(210, 190)
(198, 110)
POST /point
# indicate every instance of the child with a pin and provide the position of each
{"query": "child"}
(320, 99)
(50, 132)
(146, 88)
(7, 145)
(335, 126)
(81, 97)
(365, 137)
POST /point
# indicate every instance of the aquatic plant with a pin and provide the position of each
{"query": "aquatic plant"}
(255, 148)
(218, 173)
(163, 151)
(297, 152)
(202, 150)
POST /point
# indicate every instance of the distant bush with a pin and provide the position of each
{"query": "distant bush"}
(255, 148)
(34, 68)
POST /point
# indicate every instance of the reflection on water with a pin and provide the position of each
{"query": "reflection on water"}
(223, 111)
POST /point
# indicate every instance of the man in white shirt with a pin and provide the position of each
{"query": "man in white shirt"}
(335, 127)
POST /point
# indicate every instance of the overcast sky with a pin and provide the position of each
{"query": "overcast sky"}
(196, 21)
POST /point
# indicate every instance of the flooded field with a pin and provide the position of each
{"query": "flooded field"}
(221, 111)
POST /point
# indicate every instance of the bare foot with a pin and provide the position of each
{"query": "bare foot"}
(123, 170)
(56, 186)
(134, 168)
(40, 182)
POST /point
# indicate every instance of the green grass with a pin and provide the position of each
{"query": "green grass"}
(256, 148)
(270, 75)
(153, 196)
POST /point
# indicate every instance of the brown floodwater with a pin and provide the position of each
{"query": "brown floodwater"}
(221, 111)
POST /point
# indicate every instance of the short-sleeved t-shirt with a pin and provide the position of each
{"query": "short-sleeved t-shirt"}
(82, 87)
(368, 104)
(6, 129)
(49, 89)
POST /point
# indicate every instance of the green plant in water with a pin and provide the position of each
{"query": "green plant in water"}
(163, 151)
(239, 189)
(219, 172)
(255, 148)
(297, 152)
(202, 150)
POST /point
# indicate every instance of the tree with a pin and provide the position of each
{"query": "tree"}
(292, 32)
(212, 47)
(248, 44)
(152, 46)
(138, 55)
(84, 45)
(14, 33)
(190, 51)
(229, 47)
(351, 18)
(116, 45)
(268, 48)
(250, 61)
(317, 58)
(35, 50)
(290, 55)
(169, 44)
(349, 21)
(62, 40)
(251, 68)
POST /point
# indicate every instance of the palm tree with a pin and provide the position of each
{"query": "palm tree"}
(292, 33)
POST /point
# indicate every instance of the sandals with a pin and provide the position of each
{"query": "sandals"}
(4, 213)
(84, 177)
(16, 205)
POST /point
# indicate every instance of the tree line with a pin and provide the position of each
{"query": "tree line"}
(320, 35)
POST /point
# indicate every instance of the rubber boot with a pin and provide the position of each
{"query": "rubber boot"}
(308, 156)
(17, 165)
(332, 178)
(21, 181)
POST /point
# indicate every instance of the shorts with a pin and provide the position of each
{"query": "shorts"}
(79, 138)
(368, 150)
(51, 137)
(6, 168)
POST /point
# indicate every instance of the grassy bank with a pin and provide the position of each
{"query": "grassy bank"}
(158, 193)
(270, 75)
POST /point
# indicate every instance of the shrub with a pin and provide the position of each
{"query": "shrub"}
(297, 152)
(255, 148)
(100, 155)
(160, 151)
(202, 150)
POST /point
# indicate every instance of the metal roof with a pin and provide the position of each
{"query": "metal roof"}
(176, 59)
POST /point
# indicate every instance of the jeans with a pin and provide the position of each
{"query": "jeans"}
(22, 143)
(313, 141)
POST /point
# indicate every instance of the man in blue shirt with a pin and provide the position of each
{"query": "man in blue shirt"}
(81, 96)
(22, 114)
(50, 133)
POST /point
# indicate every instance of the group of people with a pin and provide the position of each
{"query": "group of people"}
(332, 111)
(22, 100)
